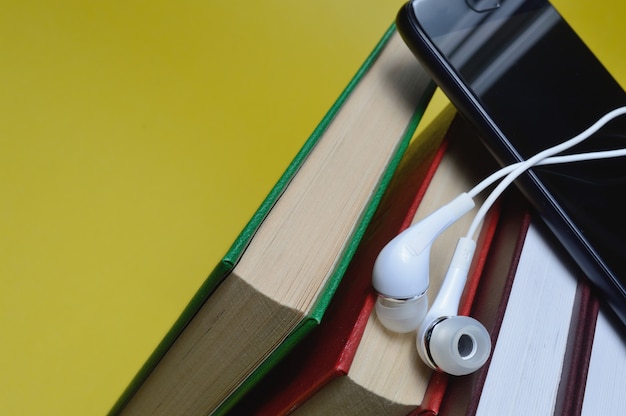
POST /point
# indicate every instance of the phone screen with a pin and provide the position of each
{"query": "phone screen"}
(540, 85)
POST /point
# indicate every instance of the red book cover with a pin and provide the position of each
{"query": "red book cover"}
(576, 366)
(597, 386)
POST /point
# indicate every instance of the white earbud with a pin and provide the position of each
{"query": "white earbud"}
(400, 273)
(457, 345)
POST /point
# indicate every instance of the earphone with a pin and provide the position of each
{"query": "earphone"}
(447, 342)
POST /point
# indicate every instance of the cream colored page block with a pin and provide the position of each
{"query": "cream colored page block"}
(213, 348)
(374, 116)
(398, 373)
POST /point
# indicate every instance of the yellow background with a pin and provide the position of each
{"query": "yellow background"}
(136, 139)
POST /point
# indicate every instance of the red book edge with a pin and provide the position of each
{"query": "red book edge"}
(328, 351)
(571, 391)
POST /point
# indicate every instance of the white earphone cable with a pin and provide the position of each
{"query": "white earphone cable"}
(542, 158)
(554, 160)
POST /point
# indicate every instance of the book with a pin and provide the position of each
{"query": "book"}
(386, 376)
(603, 386)
(275, 282)
(338, 369)
(327, 352)
(578, 351)
(534, 302)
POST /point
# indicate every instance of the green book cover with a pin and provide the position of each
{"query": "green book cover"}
(238, 248)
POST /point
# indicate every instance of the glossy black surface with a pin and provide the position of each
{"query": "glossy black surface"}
(528, 82)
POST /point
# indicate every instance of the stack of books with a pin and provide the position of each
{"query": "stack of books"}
(285, 323)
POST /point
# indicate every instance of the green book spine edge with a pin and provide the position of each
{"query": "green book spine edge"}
(234, 253)
(315, 318)
(322, 304)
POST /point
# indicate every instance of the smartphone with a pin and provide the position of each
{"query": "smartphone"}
(526, 81)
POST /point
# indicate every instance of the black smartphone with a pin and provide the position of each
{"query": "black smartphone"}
(526, 81)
